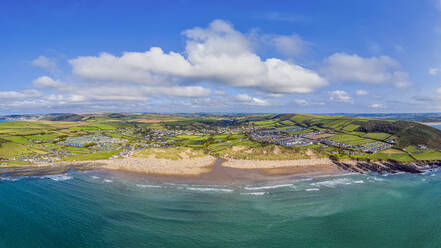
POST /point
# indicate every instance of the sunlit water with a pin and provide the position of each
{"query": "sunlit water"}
(95, 209)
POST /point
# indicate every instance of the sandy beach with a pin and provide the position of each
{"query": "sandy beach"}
(206, 168)
(164, 167)
(271, 164)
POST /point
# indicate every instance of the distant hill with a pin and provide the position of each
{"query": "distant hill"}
(361, 127)
(416, 117)
(408, 133)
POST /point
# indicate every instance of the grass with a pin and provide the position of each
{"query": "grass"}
(92, 156)
(11, 150)
(434, 155)
(393, 151)
(31, 137)
(414, 149)
(17, 139)
(350, 139)
(378, 136)
(42, 137)
(396, 157)
(14, 162)
(94, 127)
(254, 151)
(350, 127)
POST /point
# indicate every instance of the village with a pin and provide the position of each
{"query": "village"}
(285, 138)
(123, 142)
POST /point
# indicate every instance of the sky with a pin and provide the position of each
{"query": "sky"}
(347, 56)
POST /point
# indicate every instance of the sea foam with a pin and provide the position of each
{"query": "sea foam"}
(62, 177)
(253, 193)
(148, 186)
(209, 189)
(312, 189)
(334, 182)
(269, 187)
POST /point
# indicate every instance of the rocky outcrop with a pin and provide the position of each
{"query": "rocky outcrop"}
(386, 166)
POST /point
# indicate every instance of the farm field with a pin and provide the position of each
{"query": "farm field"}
(69, 137)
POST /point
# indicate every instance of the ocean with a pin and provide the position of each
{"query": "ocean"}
(102, 209)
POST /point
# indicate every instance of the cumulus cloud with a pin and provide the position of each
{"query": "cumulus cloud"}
(46, 63)
(16, 95)
(301, 102)
(361, 92)
(218, 54)
(377, 105)
(248, 100)
(375, 70)
(184, 91)
(219, 92)
(340, 96)
(45, 82)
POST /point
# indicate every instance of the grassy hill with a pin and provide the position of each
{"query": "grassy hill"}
(407, 133)
(46, 133)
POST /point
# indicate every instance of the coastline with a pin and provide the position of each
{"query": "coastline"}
(431, 123)
(209, 169)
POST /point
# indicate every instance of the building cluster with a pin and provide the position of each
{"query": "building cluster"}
(100, 141)
(363, 148)
(284, 137)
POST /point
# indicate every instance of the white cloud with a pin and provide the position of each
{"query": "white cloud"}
(248, 100)
(433, 71)
(361, 92)
(377, 105)
(185, 91)
(275, 95)
(46, 63)
(218, 54)
(45, 82)
(15, 95)
(340, 96)
(301, 102)
(375, 70)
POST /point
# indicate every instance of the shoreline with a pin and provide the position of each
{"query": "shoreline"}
(201, 170)
(431, 123)
(209, 169)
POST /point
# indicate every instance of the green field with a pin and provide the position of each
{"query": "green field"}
(397, 157)
(92, 156)
(350, 139)
(434, 155)
(31, 139)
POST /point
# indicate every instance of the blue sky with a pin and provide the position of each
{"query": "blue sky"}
(220, 56)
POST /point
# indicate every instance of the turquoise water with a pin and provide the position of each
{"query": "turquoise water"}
(436, 126)
(96, 209)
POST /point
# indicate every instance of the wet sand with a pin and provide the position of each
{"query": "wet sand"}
(215, 173)
(231, 176)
